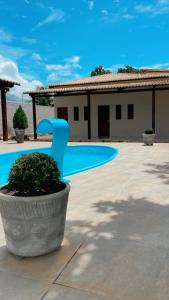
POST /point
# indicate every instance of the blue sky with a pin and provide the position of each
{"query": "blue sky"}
(47, 41)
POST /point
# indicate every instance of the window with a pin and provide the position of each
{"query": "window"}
(76, 113)
(86, 114)
(118, 112)
(62, 113)
(130, 111)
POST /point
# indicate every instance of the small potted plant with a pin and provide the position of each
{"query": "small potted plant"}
(20, 123)
(33, 206)
(148, 137)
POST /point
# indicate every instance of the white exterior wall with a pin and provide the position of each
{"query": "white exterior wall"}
(124, 128)
(162, 114)
(78, 129)
(42, 112)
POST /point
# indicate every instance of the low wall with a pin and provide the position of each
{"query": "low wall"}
(42, 112)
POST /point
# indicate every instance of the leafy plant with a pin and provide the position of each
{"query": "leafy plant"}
(44, 101)
(149, 131)
(34, 174)
(20, 120)
(100, 70)
(129, 69)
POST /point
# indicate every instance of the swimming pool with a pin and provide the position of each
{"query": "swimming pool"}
(77, 159)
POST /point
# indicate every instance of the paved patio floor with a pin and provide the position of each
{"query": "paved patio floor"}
(117, 235)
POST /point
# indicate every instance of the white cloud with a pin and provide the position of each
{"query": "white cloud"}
(105, 12)
(9, 70)
(163, 2)
(70, 63)
(5, 36)
(158, 7)
(141, 8)
(158, 66)
(36, 57)
(6, 47)
(13, 52)
(73, 59)
(54, 76)
(67, 69)
(127, 17)
(112, 17)
(28, 40)
(150, 9)
(91, 4)
(55, 15)
(57, 67)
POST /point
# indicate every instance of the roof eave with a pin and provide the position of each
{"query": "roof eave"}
(92, 89)
(5, 83)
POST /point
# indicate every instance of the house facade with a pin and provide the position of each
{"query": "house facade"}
(115, 116)
(121, 115)
(113, 106)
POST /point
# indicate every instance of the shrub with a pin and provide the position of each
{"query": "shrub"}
(20, 120)
(34, 174)
(149, 131)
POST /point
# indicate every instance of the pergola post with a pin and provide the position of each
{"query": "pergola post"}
(4, 115)
(89, 115)
(34, 115)
(153, 108)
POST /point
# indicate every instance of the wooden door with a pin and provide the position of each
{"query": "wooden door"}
(62, 113)
(103, 121)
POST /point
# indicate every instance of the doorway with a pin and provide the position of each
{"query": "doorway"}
(103, 121)
(62, 113)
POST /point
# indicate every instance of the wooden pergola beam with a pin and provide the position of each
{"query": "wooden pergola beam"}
(34, 116)
(2, 86)
(89, 115)
(153, 109)
(5, 85)
(4, 115)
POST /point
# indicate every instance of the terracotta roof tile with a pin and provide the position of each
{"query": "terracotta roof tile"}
(111, 78)
(116, 85)
(6, 81)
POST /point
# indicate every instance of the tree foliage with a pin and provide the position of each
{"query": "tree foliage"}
(20, 120)
(100, 70)
(45, 100)
(129, 69)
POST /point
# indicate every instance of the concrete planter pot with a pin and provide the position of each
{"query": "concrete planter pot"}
(34, 226)
(148, 139)
(19, 135)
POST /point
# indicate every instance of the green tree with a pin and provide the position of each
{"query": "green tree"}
(20, 119)
(128, 69)
(100, 70)
(45, 100)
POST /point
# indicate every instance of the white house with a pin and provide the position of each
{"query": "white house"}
(113, 106)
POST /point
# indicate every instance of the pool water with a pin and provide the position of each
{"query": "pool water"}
(77, 159)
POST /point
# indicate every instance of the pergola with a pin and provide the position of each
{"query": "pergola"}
(142, 84)
(5, 86)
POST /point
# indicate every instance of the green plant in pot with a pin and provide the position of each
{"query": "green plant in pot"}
(148, 137)
(20, 123)
(33, 206)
